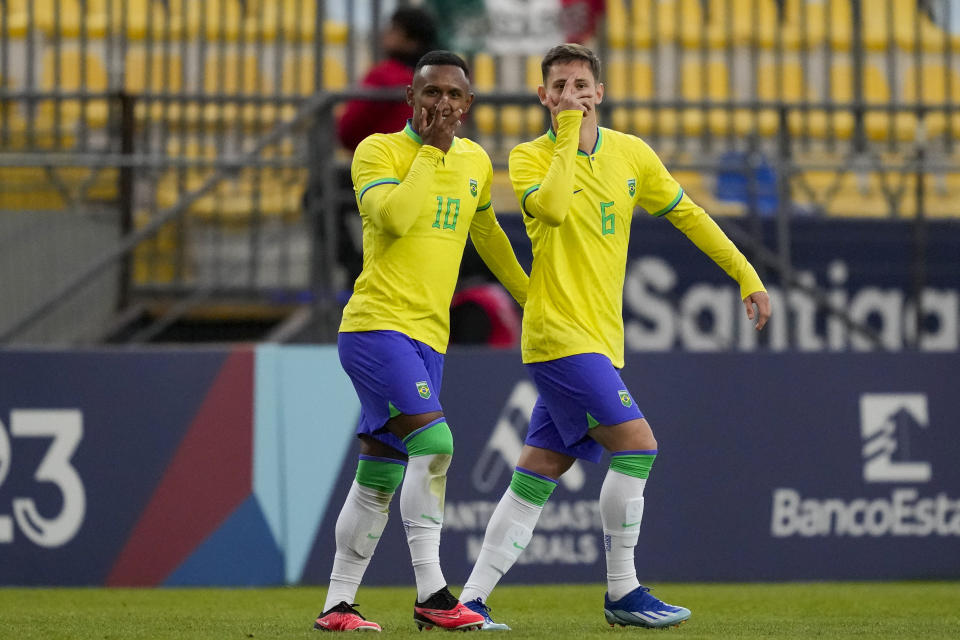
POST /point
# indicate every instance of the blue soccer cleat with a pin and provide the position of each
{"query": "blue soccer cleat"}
(640, 609)
(477, 606)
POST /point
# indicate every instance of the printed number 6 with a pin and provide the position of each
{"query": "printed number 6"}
(66, 429)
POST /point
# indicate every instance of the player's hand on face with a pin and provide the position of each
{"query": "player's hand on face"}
(572, 99)
(761, 314)
(439, 131)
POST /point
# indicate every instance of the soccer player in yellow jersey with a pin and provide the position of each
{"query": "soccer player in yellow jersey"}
(420, 191)
(578, 186)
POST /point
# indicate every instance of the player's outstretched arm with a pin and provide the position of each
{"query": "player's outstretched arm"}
(704, 232)
(495, 249)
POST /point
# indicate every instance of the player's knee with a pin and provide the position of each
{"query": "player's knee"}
(633, 463)
(432, 439)
(380, 474)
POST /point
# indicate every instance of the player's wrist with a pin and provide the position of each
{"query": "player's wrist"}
(432, 150)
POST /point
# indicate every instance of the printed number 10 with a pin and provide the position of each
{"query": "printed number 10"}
(452, 203)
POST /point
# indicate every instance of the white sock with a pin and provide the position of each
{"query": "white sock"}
(421, 507)
(621, 509)
(508, 533)
(359, 527)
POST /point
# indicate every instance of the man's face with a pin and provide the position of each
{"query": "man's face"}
(588, 90)
(439, 88)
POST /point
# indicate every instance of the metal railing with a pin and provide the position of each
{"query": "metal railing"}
(181, 237)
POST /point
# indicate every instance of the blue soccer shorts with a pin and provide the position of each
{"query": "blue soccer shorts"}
(577, 393)
(393, 374)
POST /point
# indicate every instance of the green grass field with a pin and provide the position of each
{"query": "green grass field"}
(822, 610)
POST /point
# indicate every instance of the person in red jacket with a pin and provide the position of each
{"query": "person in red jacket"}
(411, 33)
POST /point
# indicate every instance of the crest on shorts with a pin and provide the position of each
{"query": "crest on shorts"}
(625, 398)
(423, 389)
(632, 186)
(473, 187)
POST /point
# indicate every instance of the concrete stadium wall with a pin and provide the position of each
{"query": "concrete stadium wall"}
(228, 467)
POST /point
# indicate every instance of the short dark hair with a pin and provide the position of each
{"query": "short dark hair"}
(418, 25)
(566, 53)
(443, 58)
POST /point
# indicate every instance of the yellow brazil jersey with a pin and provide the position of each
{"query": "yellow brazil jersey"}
(417, 206)
(577, 209)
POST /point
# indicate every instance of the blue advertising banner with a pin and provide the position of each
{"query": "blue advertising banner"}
(677, 298)
(163, 467)
(771, 467)
(84, 440)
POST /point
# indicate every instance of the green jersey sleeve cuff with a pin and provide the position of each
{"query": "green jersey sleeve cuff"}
(670, 207)
(376, 183)
(484, 207)
(523, 200)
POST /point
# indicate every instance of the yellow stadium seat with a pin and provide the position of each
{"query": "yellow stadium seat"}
(745, 22)
(630, 80)
(69, 18)
(684, 20)
(160, 19)
(237, 75)
(253, 193)
(849, 194)
(291, 20)
(298, 78)
(896, 22)
(155, 259)
(484, 80)
(700, 81)
(69, 70)
(784, 83)
(29, 189)
(837, 124)
(48, 189)
(298, 75)
(928, 87)
(811, 23)
(882, 125)
(153, 71)
(942, 195)
(632, 28)
(17, 20)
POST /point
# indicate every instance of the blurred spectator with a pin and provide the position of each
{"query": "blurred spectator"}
(945, 13)
(579, 19)
(410, 34)
(481, 311)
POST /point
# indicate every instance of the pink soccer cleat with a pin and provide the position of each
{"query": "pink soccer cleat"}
(344, 617)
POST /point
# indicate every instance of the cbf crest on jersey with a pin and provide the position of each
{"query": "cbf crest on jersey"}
(632, 186)
(473, 187)
(423, 389)
(625, 398)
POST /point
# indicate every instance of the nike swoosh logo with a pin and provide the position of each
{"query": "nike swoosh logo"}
(373, 537)
(631, 524)
(431, 518)
(449, 614)
(577, 191)
(518, 546)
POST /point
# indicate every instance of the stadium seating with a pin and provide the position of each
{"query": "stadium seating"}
(928, 86)
(631, 79)
(73, 70)
(153, 70)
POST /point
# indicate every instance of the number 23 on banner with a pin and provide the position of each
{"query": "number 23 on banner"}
(65, 427)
